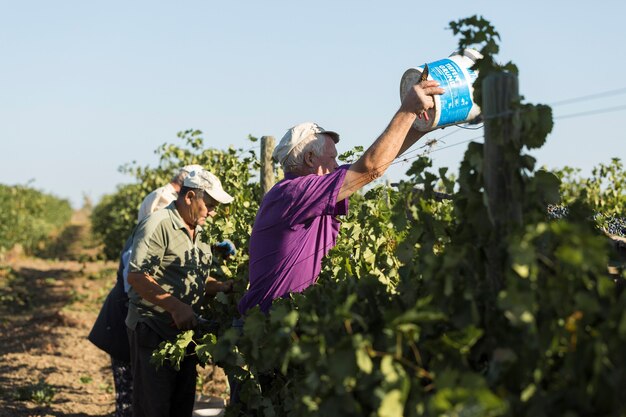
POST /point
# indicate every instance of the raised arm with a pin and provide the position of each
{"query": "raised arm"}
(413, 136)
(397, 138)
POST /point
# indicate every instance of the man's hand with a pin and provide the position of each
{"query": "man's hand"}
(419, 98)
(214, 286)
(184, 316)
(226, 248)
(227, 286)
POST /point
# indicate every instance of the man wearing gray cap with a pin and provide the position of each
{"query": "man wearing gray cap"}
(296, 224)
(169, 278)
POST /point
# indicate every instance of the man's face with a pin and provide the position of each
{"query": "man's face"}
(327, 162)
(200, 209)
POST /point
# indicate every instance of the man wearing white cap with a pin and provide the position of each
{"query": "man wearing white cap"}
(109, 330)
(296, 224)
(169, 278)
(164, 195)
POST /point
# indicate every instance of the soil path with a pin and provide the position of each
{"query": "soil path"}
(47, 365)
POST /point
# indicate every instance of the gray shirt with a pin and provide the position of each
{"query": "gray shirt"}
(163, 249)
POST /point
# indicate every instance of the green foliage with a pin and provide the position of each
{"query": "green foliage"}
(172, 353)
(604, 191)
(40, 393)
(115, 216)
(14, 292)
(476, 31)
(29, 217)
(351, 156)
(86, 379)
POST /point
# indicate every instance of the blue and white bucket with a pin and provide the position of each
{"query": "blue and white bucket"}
(455, 75)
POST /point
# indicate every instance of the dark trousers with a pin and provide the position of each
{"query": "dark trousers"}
(162, 392)
(123, 379)
(233, 383)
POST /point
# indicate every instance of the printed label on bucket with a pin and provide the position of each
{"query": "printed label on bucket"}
(456, 102)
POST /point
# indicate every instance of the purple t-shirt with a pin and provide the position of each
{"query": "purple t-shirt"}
(294, 229)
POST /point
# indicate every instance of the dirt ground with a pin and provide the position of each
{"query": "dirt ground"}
(47, 365)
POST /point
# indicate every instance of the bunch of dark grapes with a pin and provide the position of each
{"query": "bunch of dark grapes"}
(615, 226)
(557, 212)
(612, 225)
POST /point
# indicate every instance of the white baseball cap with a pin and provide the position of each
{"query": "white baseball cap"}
(296, 135)
(208, 182)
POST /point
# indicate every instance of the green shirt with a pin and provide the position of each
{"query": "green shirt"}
(163, 249)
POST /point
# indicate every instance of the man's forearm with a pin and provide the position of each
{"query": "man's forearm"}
(388, 145)
(395, 139)
(151, 291)
(375, 161)
(413, 136)
(213, 286)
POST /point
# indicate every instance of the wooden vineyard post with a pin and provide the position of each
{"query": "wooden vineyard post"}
(267, 165)
(501, 174)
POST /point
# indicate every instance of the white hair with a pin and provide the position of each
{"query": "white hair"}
(295, 158)
(179, 177)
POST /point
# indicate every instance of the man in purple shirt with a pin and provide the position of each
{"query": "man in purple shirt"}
(296, 224)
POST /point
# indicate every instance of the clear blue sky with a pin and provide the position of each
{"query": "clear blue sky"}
(87, 86)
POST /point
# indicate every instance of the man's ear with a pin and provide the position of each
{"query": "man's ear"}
(308, 159)
(190, 196)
